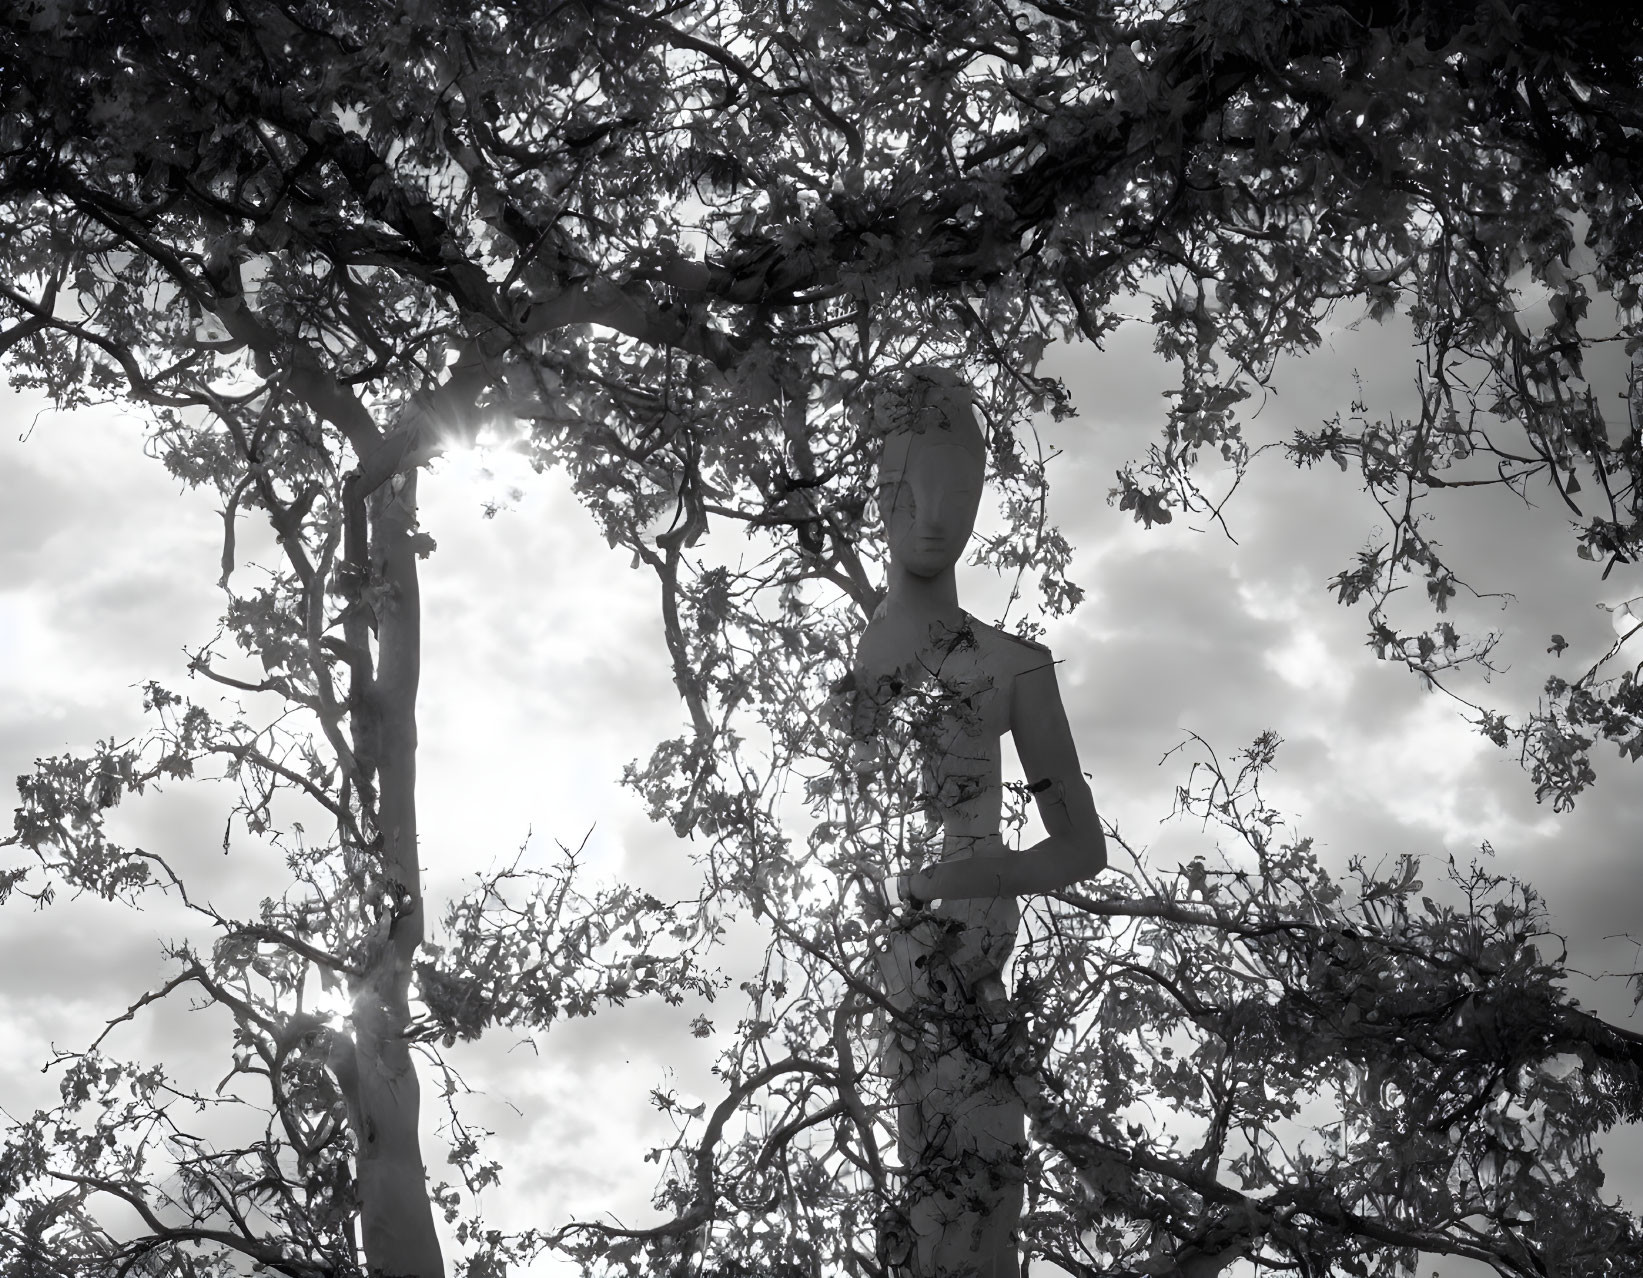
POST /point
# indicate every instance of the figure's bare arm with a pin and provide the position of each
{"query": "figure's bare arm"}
(1049, 759)
(1076, 848)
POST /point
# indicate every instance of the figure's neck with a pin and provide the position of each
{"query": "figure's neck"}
(922, 601)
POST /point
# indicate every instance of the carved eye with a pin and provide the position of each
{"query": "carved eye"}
(886, 496)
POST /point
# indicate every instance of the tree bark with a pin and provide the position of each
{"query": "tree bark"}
(396, 1215)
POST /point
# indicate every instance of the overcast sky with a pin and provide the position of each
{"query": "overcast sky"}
(544, 673)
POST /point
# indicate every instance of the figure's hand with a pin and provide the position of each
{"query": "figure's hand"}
(907, 891)
(883, 898)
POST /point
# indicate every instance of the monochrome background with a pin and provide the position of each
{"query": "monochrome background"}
(545, 673)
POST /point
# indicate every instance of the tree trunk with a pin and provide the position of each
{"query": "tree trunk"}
(396, 1216)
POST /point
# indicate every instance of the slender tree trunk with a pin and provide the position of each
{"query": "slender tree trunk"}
(396, 1216)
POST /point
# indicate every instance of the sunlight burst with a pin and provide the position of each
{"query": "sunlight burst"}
(494, 472)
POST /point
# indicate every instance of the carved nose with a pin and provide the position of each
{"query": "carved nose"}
(935, 523)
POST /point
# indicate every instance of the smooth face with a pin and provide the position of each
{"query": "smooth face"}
(929, 492)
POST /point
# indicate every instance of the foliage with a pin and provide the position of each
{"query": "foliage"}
(691, 246)
(1245, 1060)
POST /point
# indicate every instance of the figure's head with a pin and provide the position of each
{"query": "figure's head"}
(931, 471)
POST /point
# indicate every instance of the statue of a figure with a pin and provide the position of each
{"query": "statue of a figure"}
(933, 692)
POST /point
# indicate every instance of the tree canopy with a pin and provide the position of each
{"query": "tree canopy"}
(772, 203)
(691, 247)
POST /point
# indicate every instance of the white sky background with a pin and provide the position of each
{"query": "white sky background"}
(544, 673)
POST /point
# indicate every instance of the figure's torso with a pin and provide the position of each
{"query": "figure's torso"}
(939, 710)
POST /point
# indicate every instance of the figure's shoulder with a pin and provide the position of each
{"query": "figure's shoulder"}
(1019, 652)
